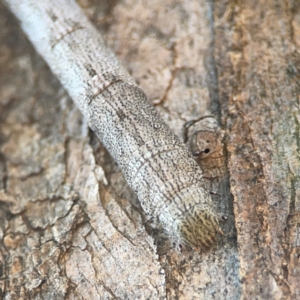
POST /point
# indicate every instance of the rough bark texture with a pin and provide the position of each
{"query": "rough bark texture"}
(259, 87)
(70, 227)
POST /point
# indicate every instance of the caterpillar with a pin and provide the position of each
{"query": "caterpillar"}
(156, 164)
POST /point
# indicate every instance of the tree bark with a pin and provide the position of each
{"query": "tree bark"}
(71, 228)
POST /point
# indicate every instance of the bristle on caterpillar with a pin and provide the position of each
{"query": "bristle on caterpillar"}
(199, 229)
(191, 220)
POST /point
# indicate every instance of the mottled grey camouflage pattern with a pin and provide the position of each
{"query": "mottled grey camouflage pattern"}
(156, 164)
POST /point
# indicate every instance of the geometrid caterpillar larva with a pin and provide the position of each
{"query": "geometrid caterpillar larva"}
(156, 164)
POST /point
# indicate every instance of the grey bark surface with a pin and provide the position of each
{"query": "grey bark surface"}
(70, 226)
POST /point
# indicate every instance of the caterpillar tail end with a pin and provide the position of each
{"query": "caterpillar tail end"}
(199, 229)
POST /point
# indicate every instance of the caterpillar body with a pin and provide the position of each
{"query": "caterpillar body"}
(156, 164)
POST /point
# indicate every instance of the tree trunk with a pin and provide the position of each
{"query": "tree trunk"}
(71, 228)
